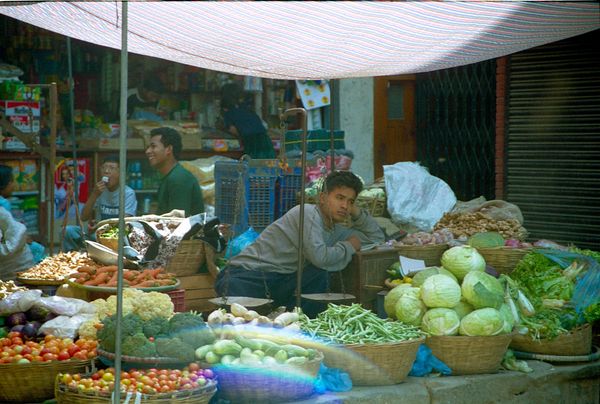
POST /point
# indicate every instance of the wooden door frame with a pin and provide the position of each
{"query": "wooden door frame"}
(380, 112)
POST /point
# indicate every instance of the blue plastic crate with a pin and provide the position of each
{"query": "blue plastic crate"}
(290, 183)
(231, 178)
(257, 181)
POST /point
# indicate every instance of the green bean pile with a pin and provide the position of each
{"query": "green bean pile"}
(356, 325)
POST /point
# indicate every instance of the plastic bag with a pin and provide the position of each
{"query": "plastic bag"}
(587, 286)
(332, 379)
(426, 362)
(65, 326)
(19, 301)
(67, 306)
(415, 197)
(240, 242)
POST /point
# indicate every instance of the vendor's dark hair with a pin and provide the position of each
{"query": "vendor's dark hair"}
(6, 176)
(230, 95)
(169, 137)
(111, 158)
(342, 179)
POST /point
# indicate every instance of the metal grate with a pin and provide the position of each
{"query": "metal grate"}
(455, 126)
(553, 144)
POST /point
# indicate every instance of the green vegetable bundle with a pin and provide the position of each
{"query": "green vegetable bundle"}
(356, 325)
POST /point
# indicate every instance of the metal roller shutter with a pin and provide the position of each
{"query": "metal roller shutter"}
(553, 140)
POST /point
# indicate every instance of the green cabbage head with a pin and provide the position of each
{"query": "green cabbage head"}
(461, 260)
(482, 322)
(440, 321)
(440, 291)
(509, 320)
(389, 302)
(420, 276)
(410, 308)
(463, 308)
(482, 290)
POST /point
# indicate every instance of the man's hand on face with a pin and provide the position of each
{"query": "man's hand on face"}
(355, 211)
(355, 241)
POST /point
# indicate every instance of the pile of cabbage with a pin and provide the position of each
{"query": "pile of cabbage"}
(457, 299)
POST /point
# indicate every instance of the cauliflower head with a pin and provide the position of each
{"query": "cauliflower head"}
(111, 303)
(88, 329)
(153, 304)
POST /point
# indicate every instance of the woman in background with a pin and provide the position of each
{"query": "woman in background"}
(15, 255)
(245, 124)
(12, 229)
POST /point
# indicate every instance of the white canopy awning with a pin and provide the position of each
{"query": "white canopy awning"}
(302, 40)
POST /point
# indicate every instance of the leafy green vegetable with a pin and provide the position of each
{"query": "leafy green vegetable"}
(482, 290)
(542, 279)
(461, 260)
(482, 322)
(440, 321)
(440, 291)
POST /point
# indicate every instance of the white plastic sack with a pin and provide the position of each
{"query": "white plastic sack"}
(19, 301)
(415, 197)
(67, 306)
(65, 326)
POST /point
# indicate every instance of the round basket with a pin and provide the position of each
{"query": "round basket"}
(374, 364)
(200, 395)
(430, 253)
(470, 355)
(34, 382)
(39, 282)
(503, 259)
(263, 384)
(131, 362)
(574, 343)
(594, 356)
(188, 258)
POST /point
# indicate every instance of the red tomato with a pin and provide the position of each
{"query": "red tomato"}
(37, 358)
(193, 367)
(63, 355)
(5, 342)
(26, 350)
(73, 349)
(80, 355)
(49, 357)
(13, 334)
(16, 340)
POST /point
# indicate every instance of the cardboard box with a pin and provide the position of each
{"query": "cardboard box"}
(29, 176)
(12, 143)
(16, 170)
(20, 108)
(25, 124)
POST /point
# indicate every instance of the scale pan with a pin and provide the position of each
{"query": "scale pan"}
(243, 300)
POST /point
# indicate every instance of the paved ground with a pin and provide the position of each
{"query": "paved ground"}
(547, 384)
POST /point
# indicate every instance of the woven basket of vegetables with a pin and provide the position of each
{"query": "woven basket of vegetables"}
(374, 352)
(576, 342)
(503, 259)
(271, 373)
(467, 355)
(34, 382)
(430, 253)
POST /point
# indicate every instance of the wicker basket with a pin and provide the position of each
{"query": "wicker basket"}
(131, 362)
(374, 364)
(574, 343)
(262, 384)
(188, 258)
(430, 253)
(470, 355)
(503, 259)
(200, 395)
(34, 382)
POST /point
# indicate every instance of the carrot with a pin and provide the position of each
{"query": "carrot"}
(110, 268)
(113, 278)
(130, 275)
(86, 270)
(101, 279)
(154, 272)
(147, 284)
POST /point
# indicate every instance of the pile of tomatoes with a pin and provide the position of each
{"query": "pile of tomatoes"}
(15, 349)
(145, 381)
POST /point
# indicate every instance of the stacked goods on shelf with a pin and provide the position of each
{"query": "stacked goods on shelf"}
(373, 351)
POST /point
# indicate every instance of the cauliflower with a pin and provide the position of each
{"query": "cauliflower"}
(153, 304)
(111, 303)
(88, 329)
(101, 308)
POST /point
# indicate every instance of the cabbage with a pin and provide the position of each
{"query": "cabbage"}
(509, 320)
(440, 321)
(462, 260)
(482, 322)
(420, 276)
(463, 308)
(389, 302)
(410, 308)
(440, 291)
(482, 290)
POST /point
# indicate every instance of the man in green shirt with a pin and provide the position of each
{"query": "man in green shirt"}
(178, 188)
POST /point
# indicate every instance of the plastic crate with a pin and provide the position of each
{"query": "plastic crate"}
(290, 183)
(318, 139)
(178, 299)
(257, 180)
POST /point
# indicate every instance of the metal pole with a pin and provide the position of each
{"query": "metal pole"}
(72, 114)
(52, 160)
(287, 113)
(331, 127)
(122, 166)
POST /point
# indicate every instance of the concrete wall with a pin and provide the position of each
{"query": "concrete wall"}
(356, 120)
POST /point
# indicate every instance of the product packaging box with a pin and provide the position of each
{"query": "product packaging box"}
(29, 176)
